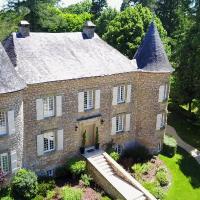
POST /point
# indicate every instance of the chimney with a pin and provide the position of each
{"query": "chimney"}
(88, 29)
(24, 29)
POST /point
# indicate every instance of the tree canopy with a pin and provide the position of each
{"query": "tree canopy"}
(126, 31)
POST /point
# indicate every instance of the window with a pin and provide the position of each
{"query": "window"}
(162, 124)
(119, 123)
(49, 106)
(118, 148)
(159, 146)
(3, 128)
(4, 162)
(50, 173)
(121, 94)
(163, 93)
(49, 141)
(88, 100)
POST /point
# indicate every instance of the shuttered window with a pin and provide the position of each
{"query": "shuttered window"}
(121, 94)
(49, 106)
(119, 123)
(49, 141)
(3, 123)
(4, 162)
(88, 100)
(161, 119)
(163, 93)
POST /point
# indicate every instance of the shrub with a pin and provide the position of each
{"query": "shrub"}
(114, 155)
(38, 197)
(139, 153)
(155, 189)
(50, 195)
(60, 172)
(7, 198)
(169, 146)
(76, 166)
(69, 193)
(162, 178)
(24, 185)
(140, 168)
(86, 179)
(45, 186)
(105, 198)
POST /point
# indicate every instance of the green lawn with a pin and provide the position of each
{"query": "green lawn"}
(185, 176)
(189, 132)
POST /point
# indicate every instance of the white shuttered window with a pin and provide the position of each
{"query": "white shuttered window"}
(49, 106)
(160, 123)
(119, 123)
(163, 93)
(4, 162)
(88, 100)
(121, 94)
(49, 141)
(3, 123)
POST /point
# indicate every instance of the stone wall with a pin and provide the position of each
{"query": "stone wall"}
(143, 107)
(8, 143)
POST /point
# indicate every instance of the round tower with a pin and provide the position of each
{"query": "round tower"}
(152, 91)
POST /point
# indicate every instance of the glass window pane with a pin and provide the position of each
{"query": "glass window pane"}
(2, 123)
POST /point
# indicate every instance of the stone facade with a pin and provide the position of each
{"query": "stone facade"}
(144, 107)
(13, 143)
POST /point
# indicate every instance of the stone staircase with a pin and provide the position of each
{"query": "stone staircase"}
(121, 188)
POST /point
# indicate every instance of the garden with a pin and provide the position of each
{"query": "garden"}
(71, 182)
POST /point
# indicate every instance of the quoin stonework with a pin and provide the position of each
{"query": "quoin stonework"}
(56, 86)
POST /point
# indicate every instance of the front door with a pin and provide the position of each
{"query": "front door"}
(90, 140)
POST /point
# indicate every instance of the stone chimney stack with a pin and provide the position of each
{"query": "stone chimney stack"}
(88, 29)
(24, 29)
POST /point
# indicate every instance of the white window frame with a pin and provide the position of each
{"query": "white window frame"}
(3, 123)
(121, 90)
(49, 106)
(50, 172)
(118, 148)
(48, 138)
(165, 96)
(88, 99)
(159, 146)
(162, 122)
(119, 123)
(4, 166)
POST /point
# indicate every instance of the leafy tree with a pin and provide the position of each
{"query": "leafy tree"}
(9, 21)
(52, 19)
(128, 28)
(98, 6)
(186, 84)
(78, 8)
(105, 18)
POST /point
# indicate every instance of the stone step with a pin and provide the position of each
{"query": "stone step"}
(100, 161)
(105, 167)
(98, 157)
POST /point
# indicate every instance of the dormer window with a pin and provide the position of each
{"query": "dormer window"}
(88, 100)
(49, 106)
(163, 93)
(121, 94)
(3, 123)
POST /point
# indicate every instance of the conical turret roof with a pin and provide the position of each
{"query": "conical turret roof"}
(151, 55)
(9, 79)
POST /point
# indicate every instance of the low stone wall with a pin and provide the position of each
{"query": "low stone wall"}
(103, 182)
(127, 177)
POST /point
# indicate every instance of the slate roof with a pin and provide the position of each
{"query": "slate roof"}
(151, 55)
(9, 79)
(45, 57)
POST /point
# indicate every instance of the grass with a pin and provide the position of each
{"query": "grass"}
(185, 176)
(189, 132)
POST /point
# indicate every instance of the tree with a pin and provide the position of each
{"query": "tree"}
(104, 19)
(128, 28)
(52, 19)
(78, 8)
(98, 6)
